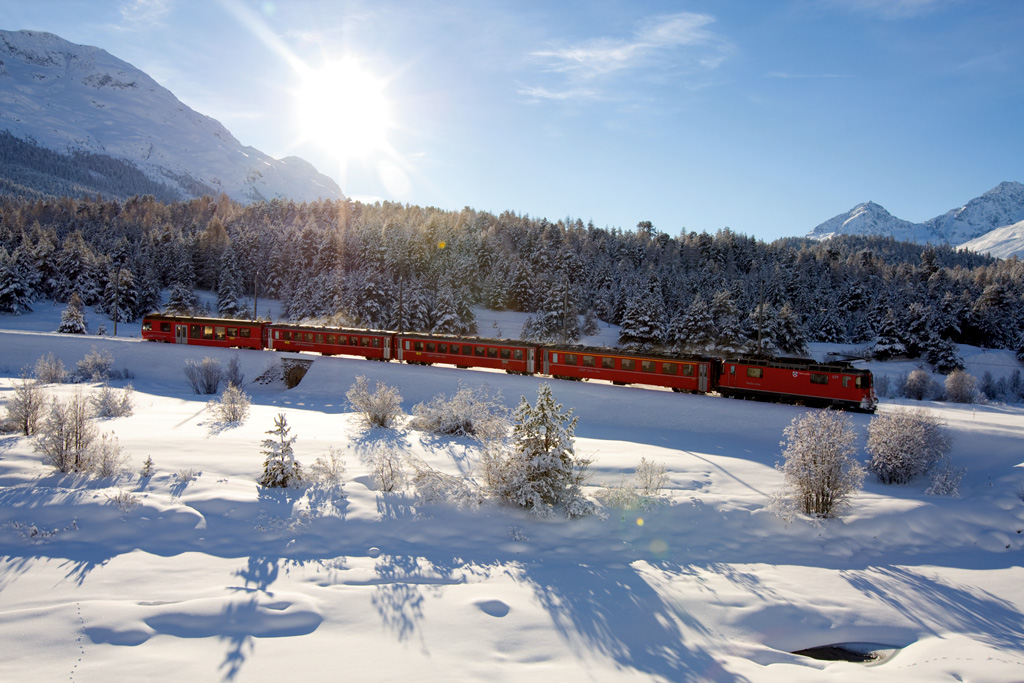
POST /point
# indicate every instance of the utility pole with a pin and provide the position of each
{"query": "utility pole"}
(117, 293)
(256, 294)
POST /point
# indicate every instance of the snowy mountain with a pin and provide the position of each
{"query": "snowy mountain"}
(73, 99)
(971, 226)
(1001, 242)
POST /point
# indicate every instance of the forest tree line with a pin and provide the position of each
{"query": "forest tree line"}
(402, 267)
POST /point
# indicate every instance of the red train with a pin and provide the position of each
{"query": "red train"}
(792, 380)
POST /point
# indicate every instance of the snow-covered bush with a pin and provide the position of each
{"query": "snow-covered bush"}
(204, 376)
(280, 468)
(72, 319)
(95, 367)
(469, 412)
(328, 470)
(920, 385)
(820, 472)
(961, 387)
(66, 435)
(109, 402)
(435, 487)
(50, 370)
(380, 408)
(650, 477)
(148, 467)
(386, 466)
(540, 470)
(126, 501)
(25, 407)
(233, 373)
(905, 444)
(946, 478)
(106, 458)
(232, 407)
(623, 496)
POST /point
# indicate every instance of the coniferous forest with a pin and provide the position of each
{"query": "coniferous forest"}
(394, 266)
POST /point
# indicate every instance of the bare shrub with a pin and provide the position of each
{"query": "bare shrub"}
(50, 370)
(946, 479)
(66, 435)
(920, 385)
(109, 402)
(650, 477)
(126, 501)
(905, 444)
(820, 472)
(233, 374)
(95, 367)
(435, 487)
(328, 470)
(961, 387)
(204, 376)
(386, 467)
(469, 412)
(106, 458)
(378, 409)
(623, 496)
(232, 407)
(25, 406)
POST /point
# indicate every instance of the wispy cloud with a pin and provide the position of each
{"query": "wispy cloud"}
(143, 13)
(674, 42)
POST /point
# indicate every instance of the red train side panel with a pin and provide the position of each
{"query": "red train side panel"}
(834, 384)
(222, 332)
(500, 354)
(696, 375)
(330, 341)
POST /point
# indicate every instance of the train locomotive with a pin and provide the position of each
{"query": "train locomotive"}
(790, 380)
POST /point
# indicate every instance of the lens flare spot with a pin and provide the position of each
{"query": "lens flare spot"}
(639, 521)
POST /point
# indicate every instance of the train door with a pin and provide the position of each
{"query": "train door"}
(181, 334)
(387, 347)
(530, 360)
(702, 382)
(549, 357)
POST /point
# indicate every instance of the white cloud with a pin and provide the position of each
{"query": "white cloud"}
(141, 13)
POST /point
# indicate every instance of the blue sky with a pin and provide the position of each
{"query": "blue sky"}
(767, 117)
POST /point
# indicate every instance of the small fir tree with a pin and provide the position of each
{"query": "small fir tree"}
(280, 468)
(72, 319)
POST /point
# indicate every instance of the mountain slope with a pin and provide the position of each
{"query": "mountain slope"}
(72, 98)
(1002, 242)
(1001, 206)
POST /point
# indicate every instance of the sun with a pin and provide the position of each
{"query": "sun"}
(344, 106)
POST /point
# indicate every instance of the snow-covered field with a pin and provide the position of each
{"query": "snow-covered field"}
(214, 579)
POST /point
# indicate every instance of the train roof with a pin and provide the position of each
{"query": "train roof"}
(809, 364)
(156, 315)
(606, 351)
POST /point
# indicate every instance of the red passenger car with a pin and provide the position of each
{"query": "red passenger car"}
(805, 381)
(501, 354)
(223, 332)
(697, 375)
(330, 341)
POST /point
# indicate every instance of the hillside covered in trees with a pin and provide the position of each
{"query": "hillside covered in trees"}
(393, 266)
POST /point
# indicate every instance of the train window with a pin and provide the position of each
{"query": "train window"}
(431, 347)
(570, 359)
(453, 348)
(319, 338)
(846, 382)
(647, 365)
(244, 333)
(628, 364)
(407, 344)
(687, 370)
(232, 331)
(195, 331)
(207, 331)
(417, 346)
(670, 369)
(860, 383)
(492, 352)
(588, 361)
(818, 378)
(165, 327)
(331, 339)
(608, 363)
(506, 354)
(375, 342)
(517, 354)
(480, 351)
(219, 333)
(308, 336)
(354, 341)
(554, 357)
(467, 350)
(732, 369)
(442, 348)
(755, 372)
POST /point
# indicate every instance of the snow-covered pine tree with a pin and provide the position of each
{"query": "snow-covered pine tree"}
(542, 471)
(280, 468)
(728, 331)
(446, 314)
(229, 287)
(693, 331)
(792, 339)
(943, 355)
(14, 290)
(121, 294)
(72, 319)
(888, 338)
(643, 319)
